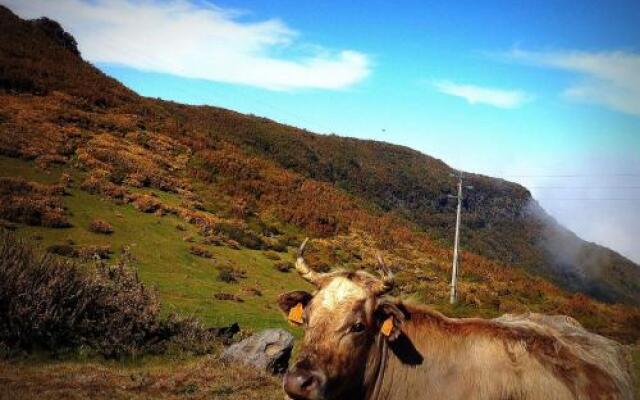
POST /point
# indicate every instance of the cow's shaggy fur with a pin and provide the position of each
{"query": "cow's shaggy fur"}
(529, 356)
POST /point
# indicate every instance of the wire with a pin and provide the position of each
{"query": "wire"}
(572, 175)
(584, 199)
(583, 187)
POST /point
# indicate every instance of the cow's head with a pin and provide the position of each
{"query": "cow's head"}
(343, 319)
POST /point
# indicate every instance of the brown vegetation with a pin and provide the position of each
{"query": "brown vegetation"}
(100, 226)
(205, 378)
(227, 296)
(200, 251)
(283, 266)
(32, 203)
(229, 274)
(51, 305)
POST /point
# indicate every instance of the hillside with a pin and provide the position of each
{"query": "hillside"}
(502, 222)
(210, 203)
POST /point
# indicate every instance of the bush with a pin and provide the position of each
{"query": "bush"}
(283, 266)
(65, 250)
(93, 252)
(279, 245)
(101, 226)
(32, 203)
(146, 203)
(228, 296)
(230, 275)
(200, 251)
(213, 240)
(49, 304)
(244, 237)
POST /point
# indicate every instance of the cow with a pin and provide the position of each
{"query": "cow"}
(360, 344)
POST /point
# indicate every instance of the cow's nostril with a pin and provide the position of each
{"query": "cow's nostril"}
(302, 384)
(310, 380)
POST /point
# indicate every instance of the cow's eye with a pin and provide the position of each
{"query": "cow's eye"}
(357, 327)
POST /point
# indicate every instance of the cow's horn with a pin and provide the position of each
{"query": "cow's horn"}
(302, 267)
(387, 282)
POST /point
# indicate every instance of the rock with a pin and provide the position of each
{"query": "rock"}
(226, 333)
(268, 350)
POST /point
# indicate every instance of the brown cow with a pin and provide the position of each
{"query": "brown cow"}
(361, 345)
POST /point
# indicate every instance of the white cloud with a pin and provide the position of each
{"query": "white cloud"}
(485, 95)
(192, 40)
(611, 79)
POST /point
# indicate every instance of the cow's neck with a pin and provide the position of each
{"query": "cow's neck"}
(376, 365)
(399, 370)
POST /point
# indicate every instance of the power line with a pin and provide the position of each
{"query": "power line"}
(583, 187)
(572, 175)
(586, 199)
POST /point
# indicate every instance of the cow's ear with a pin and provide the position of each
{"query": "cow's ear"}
(293, 304)
(389, 318)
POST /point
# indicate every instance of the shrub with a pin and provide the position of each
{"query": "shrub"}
(283, 266)
(32, 203)
(50, 304)
(146, 203)
(213, 240)
(101, 226)
(244, 237)
(200, 251)
(227, 276)
(230, 275)
(93, 252)
(228, 296)
(279, 245)
(62, 250)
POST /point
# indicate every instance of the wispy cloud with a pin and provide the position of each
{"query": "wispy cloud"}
(611, 79)
(483, 95)
(195, 40)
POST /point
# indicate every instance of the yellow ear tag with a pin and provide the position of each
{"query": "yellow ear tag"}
(295, 314)
(387, 326)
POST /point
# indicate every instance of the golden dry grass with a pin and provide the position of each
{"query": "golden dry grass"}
(201, 378)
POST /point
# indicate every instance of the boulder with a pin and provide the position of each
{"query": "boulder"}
(268, 350)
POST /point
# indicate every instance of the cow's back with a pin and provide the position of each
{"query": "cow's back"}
(607, 355)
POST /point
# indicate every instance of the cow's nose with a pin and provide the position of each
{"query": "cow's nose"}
(303, 384)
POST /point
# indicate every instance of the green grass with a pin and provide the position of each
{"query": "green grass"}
(186, 283)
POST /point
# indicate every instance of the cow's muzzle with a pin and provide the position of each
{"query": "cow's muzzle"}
(304, 384)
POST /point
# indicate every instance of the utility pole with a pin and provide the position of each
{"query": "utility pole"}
(454, 271)
(456, 244)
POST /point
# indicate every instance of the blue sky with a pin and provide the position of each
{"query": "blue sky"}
(532, 91)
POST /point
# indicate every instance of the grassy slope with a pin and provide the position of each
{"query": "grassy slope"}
(186, 282)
